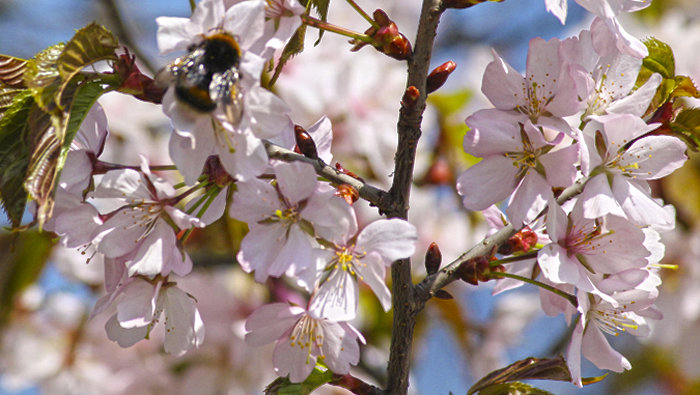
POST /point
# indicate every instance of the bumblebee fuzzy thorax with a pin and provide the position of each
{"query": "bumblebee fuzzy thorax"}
(209, 75)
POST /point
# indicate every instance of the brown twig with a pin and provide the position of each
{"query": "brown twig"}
(409, 131)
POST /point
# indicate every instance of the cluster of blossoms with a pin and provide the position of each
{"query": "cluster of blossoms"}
(298, 226)
(578, 117)
(575, 118)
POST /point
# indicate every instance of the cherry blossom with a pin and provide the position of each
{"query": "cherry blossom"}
(139, 310)
(302, 338)
(516, 160)
(366, 259)
(284, 220)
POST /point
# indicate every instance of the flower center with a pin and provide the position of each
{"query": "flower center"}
(306, 334)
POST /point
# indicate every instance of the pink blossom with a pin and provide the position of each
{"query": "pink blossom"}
(346, 263)
(302, 339)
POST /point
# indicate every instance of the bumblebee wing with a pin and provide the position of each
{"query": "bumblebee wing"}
(224, 89)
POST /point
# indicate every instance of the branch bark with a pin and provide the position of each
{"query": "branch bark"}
(409, 131)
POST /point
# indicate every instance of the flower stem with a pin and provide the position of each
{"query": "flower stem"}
(192, 5)
(363, 13)
(515, 258)
(319, 24)
(569, 297)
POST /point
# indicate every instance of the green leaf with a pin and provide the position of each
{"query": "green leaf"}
(321, 7)
(660, 59)
(51, 136)
(91, 44)
(686, 126)
(7, 96)
(14, 156)
(516, 388)
(684, 86)
(529, 368)
(282, 386)
(22, 257)
(42, 77)
(12, 71)
(294, 46)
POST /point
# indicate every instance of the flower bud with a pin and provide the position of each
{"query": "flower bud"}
(433, 258)
(348, 193)
(305, 143)
(522, 241)
(439, 75)
(215, 171)
(410, 97)
(343, 170)
(136, 83)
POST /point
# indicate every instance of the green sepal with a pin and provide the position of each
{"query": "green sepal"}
(282, 386)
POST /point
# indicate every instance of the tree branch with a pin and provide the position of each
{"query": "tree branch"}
(409, 131)
(374, 195)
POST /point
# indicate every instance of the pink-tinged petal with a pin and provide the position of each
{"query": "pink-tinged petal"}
(558, 8)
(503, 85)
(553, 304)
(638, 206)
(115, 273)
(492, 132)
(557, 222)
(557, 266)
(333, 218)
(269, 322)
(184, 328)
(174, 33)
(93, 131)
(372, 272)
(529, 199)
(76, 173)
(138, 305)
(322, 134)
(246, 20)
(597, 350)
(622, 281)
(543, 65)
(337, 297)
(123, 336)
(254, 201)
(391, 238)
(622, 129)
(154, 253)
(521, 268)
(487, 182)
(340, 348)
(77, 226)
(598, 200)
(296, 180)
(182, 219)
(121, 184)
(215, 209)
(638, 101)
(120, 235)
(295, 253)
(291, 359)
(625, 42)
(573, 357)
(572, 85)
(560, 166)
(268, 112)
(188, 156)
(258, 248)
(556, 123)
(243, 156)
(180, 263)
(654, 157)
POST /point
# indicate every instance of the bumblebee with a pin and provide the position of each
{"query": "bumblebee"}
(208, 76)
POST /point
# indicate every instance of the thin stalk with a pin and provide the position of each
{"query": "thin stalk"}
(192, 5)
(363, 13)
(569, 297)
(319, 24)
(515, 258)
